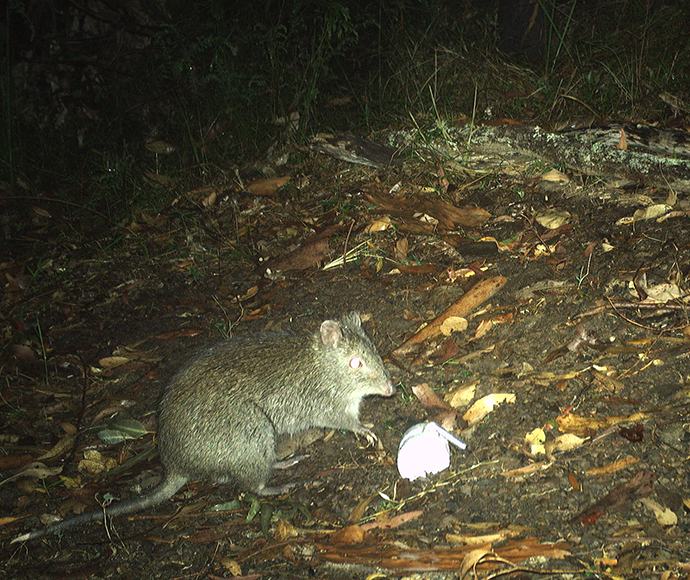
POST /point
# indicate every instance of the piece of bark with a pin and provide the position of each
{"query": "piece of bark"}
(469, 301)
(640, 485)
(354, 149)
(449, 216)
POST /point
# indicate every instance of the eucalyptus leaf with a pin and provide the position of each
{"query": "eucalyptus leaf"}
(130, 428)
(254, 508)
(266, 514)
(227, 506)
(111, 436)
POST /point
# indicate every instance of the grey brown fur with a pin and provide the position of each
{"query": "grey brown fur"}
(220, 414)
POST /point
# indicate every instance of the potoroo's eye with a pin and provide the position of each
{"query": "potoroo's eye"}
(356, 362)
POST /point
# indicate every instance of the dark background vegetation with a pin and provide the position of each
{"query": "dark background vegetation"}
(86, 85)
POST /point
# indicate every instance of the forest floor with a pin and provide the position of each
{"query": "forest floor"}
(581, 470)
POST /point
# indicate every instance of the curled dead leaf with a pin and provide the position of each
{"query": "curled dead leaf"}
(348, 535)
(65, 444)
(94, 463)
(664, 516)
(284, 531)
(555, 176)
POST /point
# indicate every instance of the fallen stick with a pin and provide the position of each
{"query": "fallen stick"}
(469, 301)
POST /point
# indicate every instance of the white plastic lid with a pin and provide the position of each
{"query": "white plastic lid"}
(424, 450)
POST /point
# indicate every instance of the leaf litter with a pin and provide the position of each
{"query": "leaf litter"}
(579, 337)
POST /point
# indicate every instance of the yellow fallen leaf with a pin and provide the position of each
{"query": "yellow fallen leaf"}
(536, 439)
(453, 324)
(485, 405)
(567, 442)
(462, 395)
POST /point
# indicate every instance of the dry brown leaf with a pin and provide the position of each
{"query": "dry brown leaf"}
(25, 354)
(638, 486)
(66, 443)
(360, 508)
(527, 469)
(184, 333)
(229, 564)
(472, 559)
(312, 251)
(401, 247)
(585, 425)
(399, 557)
(448, 216)
(417, 269)
(613, 467)
(567, 442)
(158, 146)
(609, 382)
(11, 519)
(253, 291)
(348, 535)
(111, 362)
(267, 187)
(622, 141)
(485, 405)
(428, 398)
(664, 516)
(284, 531)
(95, 463)
(501, 535)
(210, 199)
(483, 327)
(393, 522)
(379, 225)
(552, 218)
(574, 482)
(536, 440)
(35, 469)
(555, 176)
(14, 461)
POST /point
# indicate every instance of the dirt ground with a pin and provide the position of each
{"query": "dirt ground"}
(589, 338)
